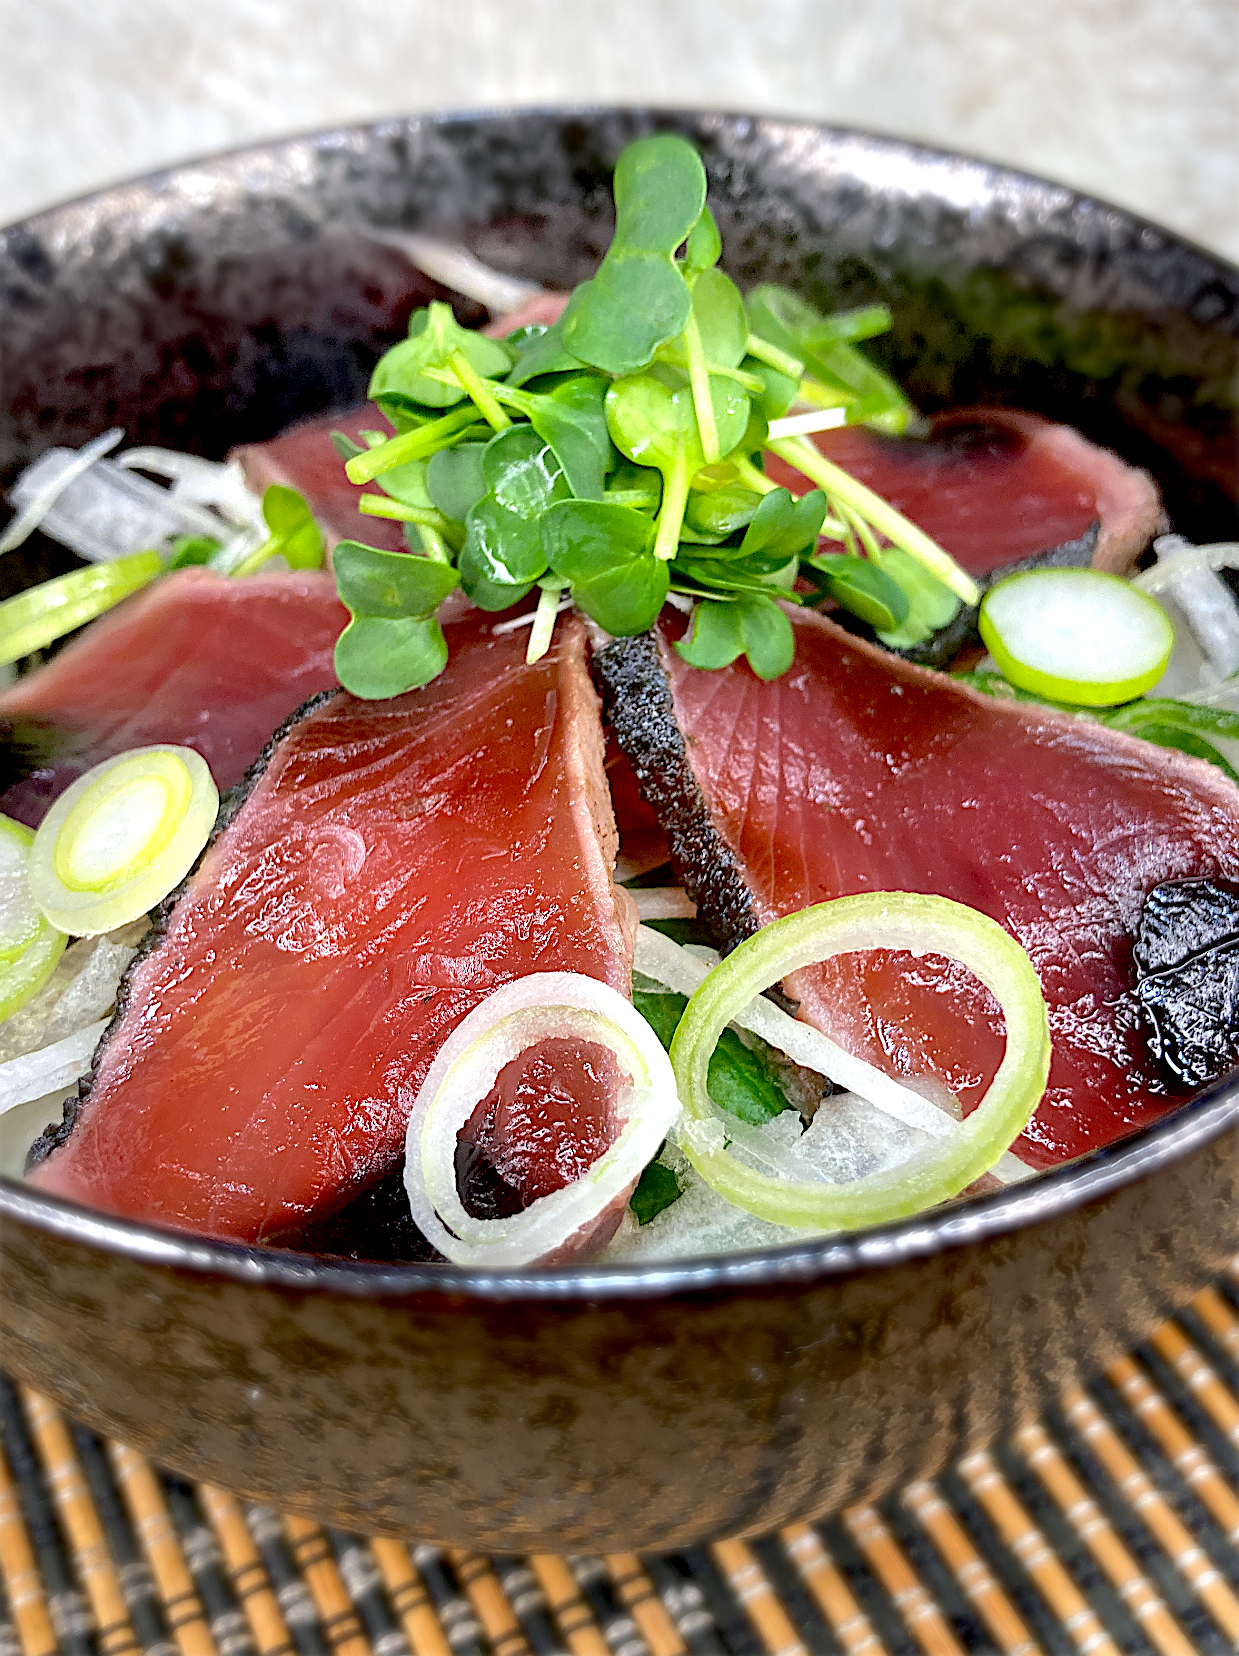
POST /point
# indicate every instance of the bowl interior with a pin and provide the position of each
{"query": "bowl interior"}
(219, 302)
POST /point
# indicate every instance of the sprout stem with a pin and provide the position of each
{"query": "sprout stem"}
(409, 445)
(756, 480)
(764, 351)
(675, 499)
(479, 391)
(844, 489)
(802, 425)
(380, 506)
(544, 620)
(703, 404)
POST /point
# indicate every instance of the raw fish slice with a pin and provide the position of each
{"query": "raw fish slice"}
(304, 458)
(857, 771)
(197, 659)
(393, 863)
(995, 486)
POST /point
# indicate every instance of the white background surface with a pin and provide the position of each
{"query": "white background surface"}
(1133, 100)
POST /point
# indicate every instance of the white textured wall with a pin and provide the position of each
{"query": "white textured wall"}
(1135, 100)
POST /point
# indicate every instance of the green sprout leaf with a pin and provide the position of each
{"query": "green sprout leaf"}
(637, 486)
(783, 527)
(752, 626)
(738, 1080)
(502, 556)
(417, 373)
(704, 245)
(192, 549)
(825, 346)
(392, 644)
(863, 589)
(541, 351)
(606, 554)
(455, 480)
(523, 473)
(718, 513)
(375, 659)
(639, 298)
(931, 605)
(389, 585)
(294, 534)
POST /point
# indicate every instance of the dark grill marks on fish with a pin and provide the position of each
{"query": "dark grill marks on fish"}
(388, 865)
(859, 772)
(637, 703)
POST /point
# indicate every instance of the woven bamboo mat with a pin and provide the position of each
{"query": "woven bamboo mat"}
(1112, 1524)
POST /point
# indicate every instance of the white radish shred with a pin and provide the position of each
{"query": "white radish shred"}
(50, 1069)
(804, 425)
(1188, 576)
(34, 506)
(684, 969)
(457, 268)
(663, 903)
(546, 1005)
(200, 482)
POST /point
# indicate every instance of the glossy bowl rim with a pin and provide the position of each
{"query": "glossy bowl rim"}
(1053, 1194)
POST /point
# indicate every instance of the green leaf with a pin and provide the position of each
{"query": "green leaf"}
(606, 553)
(1210, 721)
(639, 298)
(344, 445)
(652, 421)
(823, 344)
(522, 472)
(638, 486)
(378, 658)
(704, 245)
(407, 484)
(863, 589)
(1171, 735)
(783, 527)
(657, 1188)
(502, 555)
(541, 351)
(192, 549)
(294, 533)
(575, 433)
(931, 604)
(739, 1080)
(389, 585)
(780, 389)
(718, 311)
(720, 512)
(719, 577)
(755, 627)
(455, 481)
(405, 375)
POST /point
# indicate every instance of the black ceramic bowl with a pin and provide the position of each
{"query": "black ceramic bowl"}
(643, 1406)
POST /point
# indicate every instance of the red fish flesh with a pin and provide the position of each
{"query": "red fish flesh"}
(393, 863)
(857, 771)
(995, 486)
(304, 458)
(197, 659)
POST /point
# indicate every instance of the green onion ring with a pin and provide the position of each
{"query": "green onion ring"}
(873, 920)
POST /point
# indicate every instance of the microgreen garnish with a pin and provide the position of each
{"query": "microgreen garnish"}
(616, 456)
(294, 535)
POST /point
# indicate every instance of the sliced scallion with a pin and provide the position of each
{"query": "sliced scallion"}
(873, 920)
(121, 838)
(29, 945)
(44, 613)
(1076, 635)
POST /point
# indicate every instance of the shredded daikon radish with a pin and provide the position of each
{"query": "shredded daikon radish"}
(57, 475)
(663, 903)
(457, 268)
(51, 1068)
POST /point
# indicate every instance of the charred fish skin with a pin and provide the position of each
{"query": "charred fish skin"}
(637, 702)
(56, 1133)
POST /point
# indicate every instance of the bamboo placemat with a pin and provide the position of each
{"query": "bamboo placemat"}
(1111, 1525)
